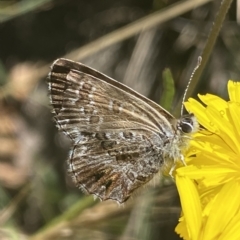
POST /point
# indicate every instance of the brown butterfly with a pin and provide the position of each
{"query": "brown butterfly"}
(121, 139)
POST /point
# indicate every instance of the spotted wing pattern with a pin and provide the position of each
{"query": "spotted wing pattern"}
(118, 135)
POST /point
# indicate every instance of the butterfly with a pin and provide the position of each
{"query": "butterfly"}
(120, 139)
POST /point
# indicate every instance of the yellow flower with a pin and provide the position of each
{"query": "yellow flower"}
(209, 186)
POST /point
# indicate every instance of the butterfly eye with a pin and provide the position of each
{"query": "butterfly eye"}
(186, 127)
(186, 124)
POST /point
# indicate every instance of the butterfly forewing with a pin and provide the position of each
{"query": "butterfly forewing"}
(118, 135)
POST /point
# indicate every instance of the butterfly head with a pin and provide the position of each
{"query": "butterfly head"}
(183, 127)
(187, 124)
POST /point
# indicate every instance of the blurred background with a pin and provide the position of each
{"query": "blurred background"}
(132, 41)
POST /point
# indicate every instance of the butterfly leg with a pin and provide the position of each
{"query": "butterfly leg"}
(172, 169)
(182, 160)
(174, 165)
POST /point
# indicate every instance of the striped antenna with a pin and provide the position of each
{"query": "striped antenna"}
(191, 77)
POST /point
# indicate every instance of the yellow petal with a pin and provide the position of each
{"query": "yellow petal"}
(195, 107)
(191, 205)
(223, 127)
(225, 207)
(232, 230)
(234, 111)
(212, 175)
(181, 229)
(213, 100)
(234, 91)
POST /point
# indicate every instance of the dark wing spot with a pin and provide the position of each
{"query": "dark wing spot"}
(86, 86)
(141, 178)
(130, 176)
(108, 183)
(123, 157)
(88, 110)
(135, 154)
(127, 134)
(101, 136)
(94, 119)
(108, 144)
(98, 175)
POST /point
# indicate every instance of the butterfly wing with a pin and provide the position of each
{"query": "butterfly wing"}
(112, 165)
(117, 134)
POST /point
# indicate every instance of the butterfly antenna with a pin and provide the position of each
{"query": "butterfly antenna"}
(191, 77)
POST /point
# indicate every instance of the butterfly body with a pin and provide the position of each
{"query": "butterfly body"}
(121, 139)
